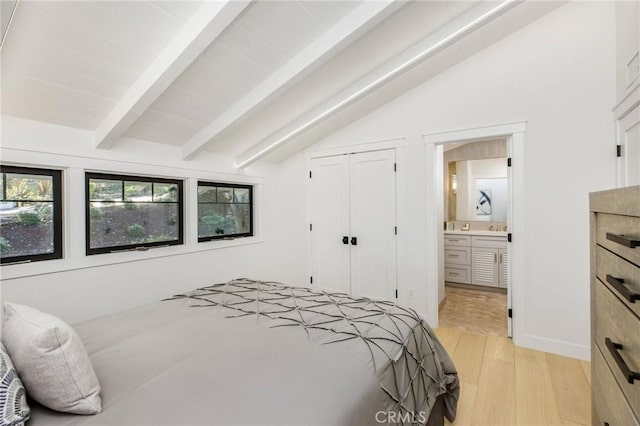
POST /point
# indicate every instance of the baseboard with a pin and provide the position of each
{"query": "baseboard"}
(475, 287)
(558, 347)
(444, 299)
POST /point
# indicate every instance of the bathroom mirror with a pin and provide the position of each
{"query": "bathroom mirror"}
(478, 190)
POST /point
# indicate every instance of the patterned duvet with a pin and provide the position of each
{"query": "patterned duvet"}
(262, 353)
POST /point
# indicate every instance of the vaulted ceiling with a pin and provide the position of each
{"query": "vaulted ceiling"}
(250, 79)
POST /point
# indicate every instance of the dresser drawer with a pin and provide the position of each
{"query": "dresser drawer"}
(608, 264)
(455, 274)
(627, 226)
(492, 242)
(457, 255)
(616, 322)
(457, 240)
(609, 404)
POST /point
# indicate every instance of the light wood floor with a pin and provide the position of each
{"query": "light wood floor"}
(505, 385)
(476, 310)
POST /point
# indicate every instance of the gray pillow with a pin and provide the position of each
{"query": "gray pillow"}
(51, 360)
(14, 410)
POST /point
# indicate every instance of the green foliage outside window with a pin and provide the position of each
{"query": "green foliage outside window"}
(5, 245)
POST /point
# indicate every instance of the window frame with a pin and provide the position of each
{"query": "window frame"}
(88, 176)
(56, 189)
(225, 185)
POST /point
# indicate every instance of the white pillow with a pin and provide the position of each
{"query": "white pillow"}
(51, 360)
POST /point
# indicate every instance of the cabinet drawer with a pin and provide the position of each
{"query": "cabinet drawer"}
(457, 255)
(608, 263)
(457, 240)
(457, 274)
(608, 402)
(628, 226)
(616, 322)
(493, 242)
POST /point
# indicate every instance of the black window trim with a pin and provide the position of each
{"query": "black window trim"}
(228, 185)
(131, 178)
(56, 176)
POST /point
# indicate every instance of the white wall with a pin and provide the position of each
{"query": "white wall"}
(559, 75)
(79, 287)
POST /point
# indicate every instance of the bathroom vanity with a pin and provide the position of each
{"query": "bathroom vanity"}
(476, 257)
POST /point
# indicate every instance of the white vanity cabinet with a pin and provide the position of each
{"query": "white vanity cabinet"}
(503, 260)
(457, 258)
(477, 259)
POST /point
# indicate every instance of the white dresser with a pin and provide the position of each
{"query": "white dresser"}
(476, 257)
(615, 306)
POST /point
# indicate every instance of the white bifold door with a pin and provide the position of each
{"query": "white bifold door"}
(353, 224)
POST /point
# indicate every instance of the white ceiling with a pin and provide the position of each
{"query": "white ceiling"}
(265, 36)
(69, 62)
(234, 80)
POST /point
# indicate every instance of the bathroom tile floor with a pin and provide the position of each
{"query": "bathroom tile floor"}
(478, 311)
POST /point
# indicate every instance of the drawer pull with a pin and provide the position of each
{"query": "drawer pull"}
(631, 376)
(623, 240)
(618, 284)
(454, 255)
(454, 273)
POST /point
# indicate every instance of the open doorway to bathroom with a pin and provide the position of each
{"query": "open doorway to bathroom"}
(476, 191)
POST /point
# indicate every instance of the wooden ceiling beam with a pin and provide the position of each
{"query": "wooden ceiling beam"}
(198, 33)
(353, 25)
(445, 36)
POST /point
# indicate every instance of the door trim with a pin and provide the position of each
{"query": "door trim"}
(514, 132)
(355, 148)
(620, 112)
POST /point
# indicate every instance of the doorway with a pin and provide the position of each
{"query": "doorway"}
(475, 208)
(513, 133)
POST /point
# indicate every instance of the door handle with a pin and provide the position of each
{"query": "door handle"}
(345, 240)
(354, 241)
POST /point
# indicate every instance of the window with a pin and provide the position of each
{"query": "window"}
(224, 211)
(132, 212)
(30, 214)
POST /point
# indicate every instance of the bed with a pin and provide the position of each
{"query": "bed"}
(262, 353)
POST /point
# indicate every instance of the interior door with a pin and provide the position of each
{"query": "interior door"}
(373, 221)
(330, 268)
(629, 128)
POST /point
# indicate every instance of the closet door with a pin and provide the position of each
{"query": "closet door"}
(330, 223)
(373, 221)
